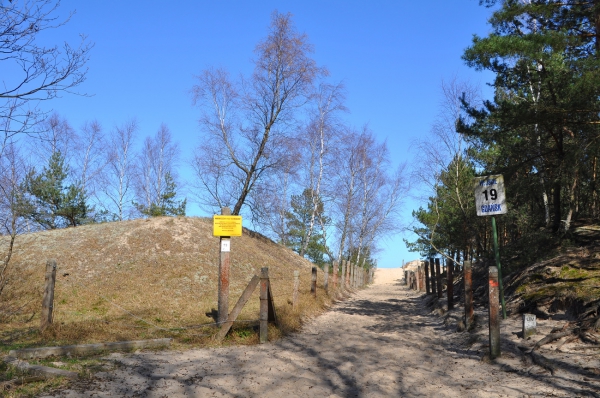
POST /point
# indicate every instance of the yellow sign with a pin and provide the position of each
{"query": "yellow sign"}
(227, 225)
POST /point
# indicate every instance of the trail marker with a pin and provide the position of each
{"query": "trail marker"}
(489, 195)
(490, 200)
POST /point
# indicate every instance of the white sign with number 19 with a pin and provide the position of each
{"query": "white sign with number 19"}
(489, 195)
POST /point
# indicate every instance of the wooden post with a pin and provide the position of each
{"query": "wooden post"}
(264, 305)
(450, 287)
(494, 311)
(433, 278)
(427, 278)
(351, 276)
(48, 299)
(326, 278)
(224, 263)
(438, 277)
(364, 276)
(419, 278)
(335, 276)
(296, 286)
(313, 284)
(468, 279)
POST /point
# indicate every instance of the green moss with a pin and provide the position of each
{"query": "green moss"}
(567, 272)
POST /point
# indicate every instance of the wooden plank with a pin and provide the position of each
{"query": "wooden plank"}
(87, 349)
(238, 308)
(38, 370)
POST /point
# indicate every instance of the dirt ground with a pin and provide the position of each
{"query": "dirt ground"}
(384, 341)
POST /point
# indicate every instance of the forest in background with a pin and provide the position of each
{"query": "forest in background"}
(540, 130)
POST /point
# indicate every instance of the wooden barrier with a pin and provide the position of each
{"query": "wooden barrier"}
(267, 306)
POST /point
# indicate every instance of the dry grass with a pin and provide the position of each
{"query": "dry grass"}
(143, 279)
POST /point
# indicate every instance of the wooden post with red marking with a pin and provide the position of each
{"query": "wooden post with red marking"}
(224, 264)
(468, 278)
(494, 312)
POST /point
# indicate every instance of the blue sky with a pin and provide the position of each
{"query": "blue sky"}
(391, 56)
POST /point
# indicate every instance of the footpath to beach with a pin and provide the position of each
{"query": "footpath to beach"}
(381, 342)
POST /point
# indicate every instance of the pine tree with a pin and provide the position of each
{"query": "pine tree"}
(49, 201)
(298, 220)
(541, 125)
(166, 205)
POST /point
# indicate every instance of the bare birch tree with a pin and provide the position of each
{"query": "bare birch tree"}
(244, 123)
(346, 188)
(12, 172)
(55, 135)
(117, 176)
(89, 159)
(156, 168)
(320, 139)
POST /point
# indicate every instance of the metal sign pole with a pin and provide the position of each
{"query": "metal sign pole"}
(497, 255)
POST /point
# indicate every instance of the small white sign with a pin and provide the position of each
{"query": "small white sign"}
(529, 325)
(489, 195)
(225, 245)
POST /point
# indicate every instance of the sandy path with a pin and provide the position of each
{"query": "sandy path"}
(380, 343)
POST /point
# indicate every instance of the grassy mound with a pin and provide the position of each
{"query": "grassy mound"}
(144, 278)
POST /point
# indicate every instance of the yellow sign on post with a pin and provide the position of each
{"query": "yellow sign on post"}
(227, 225)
